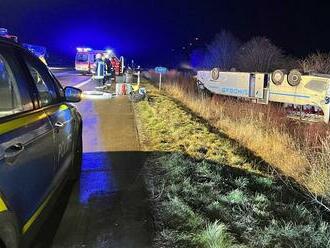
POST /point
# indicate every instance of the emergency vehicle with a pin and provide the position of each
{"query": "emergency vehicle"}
(39, 51)
(4, 33)
(306, 96)
(40, 142)
(85, 59)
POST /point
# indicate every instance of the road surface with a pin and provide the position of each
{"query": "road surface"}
(108, 206)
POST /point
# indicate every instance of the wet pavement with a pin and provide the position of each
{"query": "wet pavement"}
(108, 206)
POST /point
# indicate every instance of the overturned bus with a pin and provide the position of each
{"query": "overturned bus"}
(307, 96)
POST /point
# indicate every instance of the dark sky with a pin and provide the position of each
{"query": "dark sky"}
(148, 30)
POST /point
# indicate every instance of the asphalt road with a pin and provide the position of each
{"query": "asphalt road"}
(108, 206)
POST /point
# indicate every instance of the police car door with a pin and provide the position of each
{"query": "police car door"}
(26, 142)
(60, 116)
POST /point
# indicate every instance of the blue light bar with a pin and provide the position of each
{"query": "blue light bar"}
(3, 31)
(83, 49)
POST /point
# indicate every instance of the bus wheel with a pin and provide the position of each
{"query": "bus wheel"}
(278, 77)
(215, 73)
(294, 77)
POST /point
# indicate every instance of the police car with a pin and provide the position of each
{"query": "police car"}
(40, 141)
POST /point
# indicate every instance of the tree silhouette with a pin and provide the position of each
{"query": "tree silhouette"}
(260, 55)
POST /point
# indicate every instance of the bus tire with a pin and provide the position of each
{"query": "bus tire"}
(278, 77)
(294, 77)
(215, 73)
(9, 236)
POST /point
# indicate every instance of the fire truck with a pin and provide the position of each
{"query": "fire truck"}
(306, 96)
(85, 60)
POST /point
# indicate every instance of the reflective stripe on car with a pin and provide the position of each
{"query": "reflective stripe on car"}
(26, 120)
(3, 206)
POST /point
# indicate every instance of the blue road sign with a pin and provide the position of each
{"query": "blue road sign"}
(161, 70)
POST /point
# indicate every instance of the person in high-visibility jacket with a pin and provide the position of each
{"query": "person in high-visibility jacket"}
(109, 68)
(100, 69)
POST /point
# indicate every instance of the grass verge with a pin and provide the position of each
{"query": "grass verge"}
(206, 192)
(297, 150)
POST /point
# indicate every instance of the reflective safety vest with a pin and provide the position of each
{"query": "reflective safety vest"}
(100, 69)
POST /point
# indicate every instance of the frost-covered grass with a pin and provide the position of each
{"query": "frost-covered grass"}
(295, 149)
(207, 193)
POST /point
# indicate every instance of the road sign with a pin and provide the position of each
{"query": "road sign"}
(161, 70)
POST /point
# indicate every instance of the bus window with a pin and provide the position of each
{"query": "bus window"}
(266, 81)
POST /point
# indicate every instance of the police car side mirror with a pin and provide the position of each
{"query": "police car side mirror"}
(72, 94)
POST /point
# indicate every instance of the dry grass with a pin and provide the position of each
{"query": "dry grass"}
(318, 170)
(317, 62)
(206, 192)
(180, 132)
(297, 150)
(276, 148)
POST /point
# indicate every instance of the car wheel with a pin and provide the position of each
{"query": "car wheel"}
(77, 159)
(8, 231)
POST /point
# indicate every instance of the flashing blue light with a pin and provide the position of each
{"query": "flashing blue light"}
(83, 49)
(3, 31)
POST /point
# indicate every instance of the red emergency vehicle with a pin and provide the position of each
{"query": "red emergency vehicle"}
(85, 59)
(116, 64)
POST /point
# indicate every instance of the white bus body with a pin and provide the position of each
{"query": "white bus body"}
(313, 90)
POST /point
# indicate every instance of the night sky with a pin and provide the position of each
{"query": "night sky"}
(152, 32)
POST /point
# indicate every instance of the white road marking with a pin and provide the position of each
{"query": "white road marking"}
(96, 95)
(83, 83)
(60, 68)
(61, 74)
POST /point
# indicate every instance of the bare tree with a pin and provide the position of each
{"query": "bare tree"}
(317, 62)
(259, 54)
(289, 62)
(221, 51)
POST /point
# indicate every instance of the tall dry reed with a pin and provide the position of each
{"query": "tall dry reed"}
(298, 150)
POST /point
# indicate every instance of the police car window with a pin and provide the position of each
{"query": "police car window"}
(59, 88)
(43, 81)
(11, 101)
